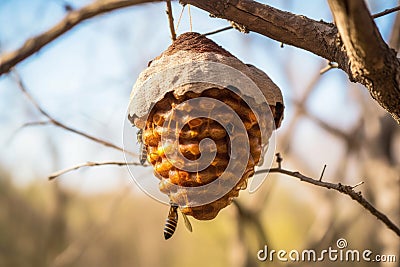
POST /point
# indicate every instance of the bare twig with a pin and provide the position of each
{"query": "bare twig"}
(322, 173)
(68, 7)
(190, 19)
(385, 12)
(73, 18)
(90, 164)
(180, 18)
(35, 123)
(57, 123)
(344, 189)
(356, 185)
(27, 124)
(279, 159)
(171, 20)
(218, 31)
(331, 65)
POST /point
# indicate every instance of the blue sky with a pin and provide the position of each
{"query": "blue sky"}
(84, 79)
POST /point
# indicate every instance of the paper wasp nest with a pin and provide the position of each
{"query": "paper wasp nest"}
(206, 119)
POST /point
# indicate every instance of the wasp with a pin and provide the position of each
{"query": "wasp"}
(142, 148)
(172, 221)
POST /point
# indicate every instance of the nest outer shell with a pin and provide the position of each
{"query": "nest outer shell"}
(165, 74)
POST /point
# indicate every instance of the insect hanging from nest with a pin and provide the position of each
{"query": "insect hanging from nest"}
(172, 221)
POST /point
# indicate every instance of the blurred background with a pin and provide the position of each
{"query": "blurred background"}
(98, 216)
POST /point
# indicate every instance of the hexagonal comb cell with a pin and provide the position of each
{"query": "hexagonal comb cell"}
(162, 95)
(197, 129)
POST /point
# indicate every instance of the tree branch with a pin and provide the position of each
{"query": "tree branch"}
(317, 37)
(344, 189)
(363, 55)
(57, 123)
(218, 31)
(90, 164)
(373, 64)
(171, 20)
(73, 18)
(386, 12)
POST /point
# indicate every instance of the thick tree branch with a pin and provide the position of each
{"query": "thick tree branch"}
(318, 37)
(73, 18)
(362, 53)
(372, 62)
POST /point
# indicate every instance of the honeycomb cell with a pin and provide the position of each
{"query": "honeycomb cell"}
(170, 127)
(190, 136)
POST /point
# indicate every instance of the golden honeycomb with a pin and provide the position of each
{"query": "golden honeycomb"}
(154, 107)
(189, 138)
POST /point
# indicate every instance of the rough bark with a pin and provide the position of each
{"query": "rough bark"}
(360, 50)
(73, 18)
(372, 62)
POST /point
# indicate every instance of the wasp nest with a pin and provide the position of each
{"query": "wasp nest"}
(196, 91)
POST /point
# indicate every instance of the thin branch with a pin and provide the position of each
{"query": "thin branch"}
(344, 189)
(57, 123)
(90, 164)
(356, 185)
(28, 124)
(180, 18)
(66, 5)
(331, 65)
(385, 12)
(190, 19)
(279, 159)
(218, 31)
(322, 173)
(171, 20)
(73, 18)
(22, 87)
(35, 123)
